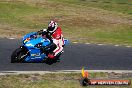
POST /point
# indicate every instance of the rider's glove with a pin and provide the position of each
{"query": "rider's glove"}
(39, 32)
(43, 32)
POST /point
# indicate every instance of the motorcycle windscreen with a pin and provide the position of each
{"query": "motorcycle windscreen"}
(28, 35)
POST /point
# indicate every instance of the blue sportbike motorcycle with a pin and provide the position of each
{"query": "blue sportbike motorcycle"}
(30, 50)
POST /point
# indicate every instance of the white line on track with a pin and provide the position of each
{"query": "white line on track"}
(116, 45)
(11, 38)
(75, 42)
(87, 43)
(100, 44)
(128, 46)
(61, 71)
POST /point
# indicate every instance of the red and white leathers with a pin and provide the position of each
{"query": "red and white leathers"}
(58, 39)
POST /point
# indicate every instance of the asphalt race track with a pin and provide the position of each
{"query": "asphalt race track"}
(92, 57)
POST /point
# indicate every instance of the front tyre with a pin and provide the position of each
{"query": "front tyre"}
(18, 56)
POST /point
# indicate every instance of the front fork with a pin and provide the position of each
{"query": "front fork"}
(25, 50)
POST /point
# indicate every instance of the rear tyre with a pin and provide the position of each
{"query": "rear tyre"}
(18, 56)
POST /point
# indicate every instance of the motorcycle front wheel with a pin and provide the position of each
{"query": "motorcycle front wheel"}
(18, 56)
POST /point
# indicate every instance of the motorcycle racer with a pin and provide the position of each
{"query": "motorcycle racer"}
(54, 34)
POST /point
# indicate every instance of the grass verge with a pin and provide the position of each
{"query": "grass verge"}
(92, 21)
(55, 80)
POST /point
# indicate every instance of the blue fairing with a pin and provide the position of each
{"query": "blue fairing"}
(35, 55)
(28, 35)
(66, 41)
(33, 42)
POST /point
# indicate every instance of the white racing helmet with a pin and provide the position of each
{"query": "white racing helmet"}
(52, 26)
